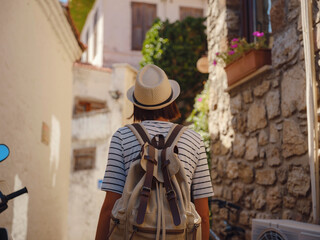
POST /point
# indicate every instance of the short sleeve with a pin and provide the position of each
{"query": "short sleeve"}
(114, 178)
(201, 181)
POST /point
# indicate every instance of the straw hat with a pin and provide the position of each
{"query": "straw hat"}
(153, 90)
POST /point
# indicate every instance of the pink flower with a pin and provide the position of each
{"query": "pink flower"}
(260, 34)
(214, 62)
(255, 33)
(231, 52)
(199, 99)
(235, 40)
(217, 54)
(234, 45)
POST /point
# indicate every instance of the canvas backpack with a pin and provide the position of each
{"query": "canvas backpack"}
(155, 203)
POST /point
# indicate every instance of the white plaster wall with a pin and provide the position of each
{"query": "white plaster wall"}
(117, 26)
(84, 208)
(88, 55)
(124, 77)
(35, 87)
(90, 82)
(92, 129)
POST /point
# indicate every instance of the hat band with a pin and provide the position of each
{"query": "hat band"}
(156, 105)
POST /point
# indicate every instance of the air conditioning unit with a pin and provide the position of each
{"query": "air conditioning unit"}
(269, 229)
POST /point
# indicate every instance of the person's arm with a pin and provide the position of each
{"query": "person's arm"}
(202, 208)
(105, 215)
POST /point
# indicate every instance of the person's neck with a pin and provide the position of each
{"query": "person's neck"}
(162, 119)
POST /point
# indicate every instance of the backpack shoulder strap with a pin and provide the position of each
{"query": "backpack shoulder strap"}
(174, 134)
(140, 132)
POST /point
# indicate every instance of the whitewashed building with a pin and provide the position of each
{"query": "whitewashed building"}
(114, 30)
(99, 109)
(37, 48)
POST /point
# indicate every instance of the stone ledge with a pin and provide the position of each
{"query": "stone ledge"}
(247, 78)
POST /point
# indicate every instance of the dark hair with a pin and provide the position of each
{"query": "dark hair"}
(170, 112)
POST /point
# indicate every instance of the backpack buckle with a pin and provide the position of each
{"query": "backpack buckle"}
(170, 194)
(145, 191)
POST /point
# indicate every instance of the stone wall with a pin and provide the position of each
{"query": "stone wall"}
(259, 129)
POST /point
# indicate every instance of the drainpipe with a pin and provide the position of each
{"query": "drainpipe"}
(311, 100)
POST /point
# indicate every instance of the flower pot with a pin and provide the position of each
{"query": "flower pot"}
(247, 64)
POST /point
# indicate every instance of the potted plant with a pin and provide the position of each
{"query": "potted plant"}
(243, 58)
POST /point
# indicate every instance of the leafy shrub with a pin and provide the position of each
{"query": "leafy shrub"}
(176, 47)
(199, 118)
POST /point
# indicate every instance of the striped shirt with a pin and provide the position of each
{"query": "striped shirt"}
(124, 147)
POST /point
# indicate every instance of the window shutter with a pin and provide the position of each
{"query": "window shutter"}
(190, 12)
(143, 15)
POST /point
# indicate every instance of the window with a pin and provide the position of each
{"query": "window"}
(143, 15)
(87, 105)
(255, 17)
(190, 12)
(84, 158)
(95, 33)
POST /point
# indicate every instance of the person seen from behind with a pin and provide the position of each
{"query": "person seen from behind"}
(153, 97)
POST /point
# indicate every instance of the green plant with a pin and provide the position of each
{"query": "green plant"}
(199, 117)
(79, 9)
(176, 47)
(239, 47)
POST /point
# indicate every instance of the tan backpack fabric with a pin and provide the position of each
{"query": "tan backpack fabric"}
(155, 203)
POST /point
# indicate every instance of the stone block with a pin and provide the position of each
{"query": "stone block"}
(244, 218)
(259, 164)
(298, 182)
(218, 190)
(274, 199)
(287, 214)
(263, 138)
(256, 117)
(273, 156)
(274, 134)
(237, 192)
(289, 202)
(289, 42)
(293, 91)
(294, 142)
(247, 202)
(304, 206)
(227, 194)
(236, 104)
(239, 122)
(251, 149)
(258, 198)
(232, 169)
(275, 83)
(221, 167)
(260, 90)
(216, 148)
(239, 145)
(214, 173)
(247, 96)
(282, 174)
(273, 104)
(246, 173)
(266, 177)
(262, 153)
(278, 15)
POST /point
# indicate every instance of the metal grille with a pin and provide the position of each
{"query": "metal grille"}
(271, 235)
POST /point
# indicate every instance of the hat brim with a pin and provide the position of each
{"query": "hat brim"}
(175, 93)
